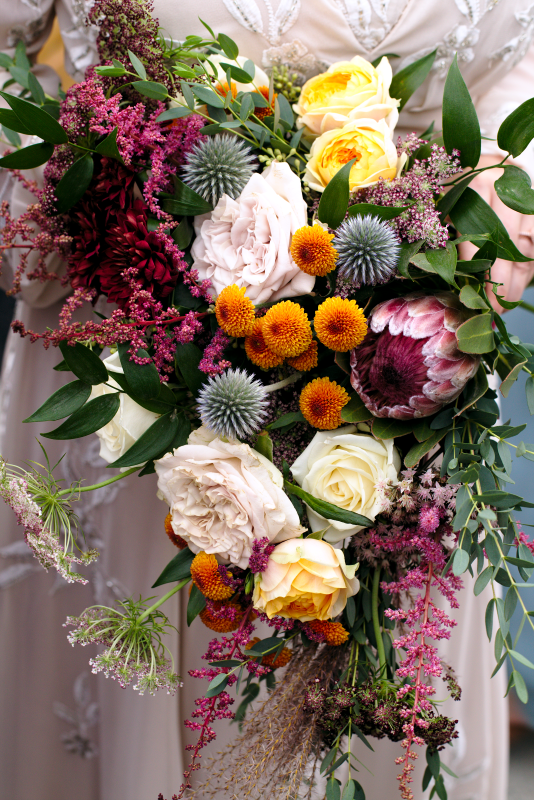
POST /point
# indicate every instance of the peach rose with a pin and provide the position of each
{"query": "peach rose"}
(305, 579)
(247, 241)
(346, 92)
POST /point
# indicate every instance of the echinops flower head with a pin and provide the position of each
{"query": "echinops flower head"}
(368, 250)
(221, 164)
(232, 404)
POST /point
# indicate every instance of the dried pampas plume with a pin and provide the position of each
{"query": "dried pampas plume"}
(264, 760)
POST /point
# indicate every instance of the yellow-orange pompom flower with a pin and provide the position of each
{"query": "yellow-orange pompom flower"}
(177, 541)
(321, 402)
(333, 632)
(256, 349)
(313, 251)
(214, 618)
(340, 324)
(235, 311)
(205, 574)
(283, 658)
(286, 329)
(264, 111)
(307, 360)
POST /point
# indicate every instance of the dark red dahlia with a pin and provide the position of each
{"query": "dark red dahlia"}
(134, 252)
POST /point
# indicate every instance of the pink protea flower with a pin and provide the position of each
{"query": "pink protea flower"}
(409, 364)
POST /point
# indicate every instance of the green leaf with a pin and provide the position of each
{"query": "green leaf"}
(483, 580)
(21, 75)
(264, 445)
(514, 653)
(173, 113)
(219, 682)
(12, 136)
(355, 411)
(511, 372)
(510, 603)
(328, 510)
(416, 453)
(62, 403)
(333, 790)
(9, 118)
(230, 49)
(472, 215)
(108, 147)
(265, 646)
(5, 60)
(409, 79)
(88, 419)
(238, 74)
(350, 611)
(388, 428)
(196, 604)
(433, 761)
(335, 198)
(287, 419)
(286, 112)
(461, 129)
(517, 130)
(85, 364)
(460, 562)
(520, 686)
(110, 72)
(498, 499)
(186, 202)
(475, 335)
(471, 298)
(74, 183)
(188, 357)
(36, 120)
(36, 89)
(450, 198)
(381, 212)
(206, 95)
(514, 188)
(407, 251)
(443, 260)
(143, 379)
(489, 618)
(349, 790)
(138, 65)
(177, 569)
(21, 57)
(188, 95)
(152, 89)
(28, 157)
(475, 389)
(154, 442)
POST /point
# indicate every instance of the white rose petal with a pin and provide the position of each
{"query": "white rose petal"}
(260, 77)
(343, 468)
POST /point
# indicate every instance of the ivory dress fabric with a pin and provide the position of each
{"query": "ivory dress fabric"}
(65, 733)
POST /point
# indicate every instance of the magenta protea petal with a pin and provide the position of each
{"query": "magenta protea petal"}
(409, 364)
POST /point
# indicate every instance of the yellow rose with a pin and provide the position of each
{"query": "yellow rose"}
(368, 141)
(305, 579)
(346, 92)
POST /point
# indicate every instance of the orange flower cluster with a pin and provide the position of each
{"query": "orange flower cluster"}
(264, 111)
(205, 575)
(221, 625)
(340, 324)
(177, 541)
(321, 402)
(235, 311)
(256, 349)
(282, 660)
(286, 329)
(334, 632)
(307, 360)
(313, 251)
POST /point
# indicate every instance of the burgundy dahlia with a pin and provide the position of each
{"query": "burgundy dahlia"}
(409, 364)
(135, 255)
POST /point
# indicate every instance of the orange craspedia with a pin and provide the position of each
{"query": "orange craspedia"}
(321, 402)
(334, 632)
(177, 541)
(264, 111)
(287, 329)
(313, 251)
(205, 574)
(256, 349)
(283, 658)
(215, 618)
(340, 324)
(307, 360)
(223, 89)
(235, 311)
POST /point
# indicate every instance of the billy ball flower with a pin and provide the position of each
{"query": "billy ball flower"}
(368, 250)
(256, 349)
(221, 617)
(282, 659)
(333, 633)
(221, 164)
(313, 251)
(321, 402)
(286, 329)
(235, 311)
(206, 576)
(232, 404)
(307, 360)
(177, 541)
(262, 111)
(340, 324)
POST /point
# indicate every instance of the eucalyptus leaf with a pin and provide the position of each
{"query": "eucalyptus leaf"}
(230, 48)
(206, 95)
(471, 298)
(475, 335)
(173, 113)
(138, 65)
(152, 89)
(9, 118)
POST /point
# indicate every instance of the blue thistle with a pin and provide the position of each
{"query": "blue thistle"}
(232, 404)
(221, 164)
(368, 250)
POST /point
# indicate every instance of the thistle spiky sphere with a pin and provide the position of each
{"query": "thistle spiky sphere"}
(368, 250)
(221, 164)
(232, 404)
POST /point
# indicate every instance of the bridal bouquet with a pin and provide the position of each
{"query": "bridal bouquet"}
(292, 343)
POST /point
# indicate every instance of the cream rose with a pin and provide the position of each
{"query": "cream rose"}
(347, 91)
(128, 424)
(246, 241)
(366, 140)
(343, 468)
(305, 579)
(223, 496)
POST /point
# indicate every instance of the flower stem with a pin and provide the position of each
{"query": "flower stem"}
(163, 599)
(119, 477)
(274, 387)
(376, 623)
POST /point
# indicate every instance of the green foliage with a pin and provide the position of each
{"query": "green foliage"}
(327, 510)
(335, 198)
(196, 604)
(154, 442)
(62, 403)
(85, 364)
(88, 419)
(461, 130)
(517, 130)
(74, 183)
(408, 80)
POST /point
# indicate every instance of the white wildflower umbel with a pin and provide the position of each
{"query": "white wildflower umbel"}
(132, 637)
(221, 164)
(232, 404)
(44, 511)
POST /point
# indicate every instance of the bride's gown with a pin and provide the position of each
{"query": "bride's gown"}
(64, 732)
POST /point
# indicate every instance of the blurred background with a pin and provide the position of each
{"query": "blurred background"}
(521, 322)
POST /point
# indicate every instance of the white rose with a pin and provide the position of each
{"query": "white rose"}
(128, 424)
(343, 468)
(224, 495)
(260, 78)
(246, 241)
